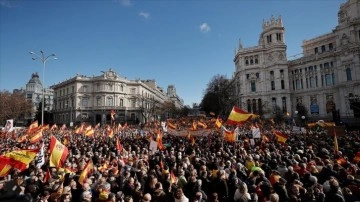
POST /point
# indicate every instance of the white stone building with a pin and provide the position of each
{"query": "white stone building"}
(91, 99)
(325, 79)
(34, 93)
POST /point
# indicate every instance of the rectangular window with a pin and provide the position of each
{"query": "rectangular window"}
(328, 79)
(84, 102)
(121, 103)
(133, 103)
(323, 49)
(284, 108)
(85, 89)
(133, 90)
(282, 84)
(29, 96)
(316, 50)
(312, 82)
(282, 74)
(272, 85)
(98, 102)
(253, 86)
(331, 46)
(348, 74)
(298, 84)
(273, 102)
(72, 89)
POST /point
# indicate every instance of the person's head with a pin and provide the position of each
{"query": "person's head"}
(274, 197)
(128, 199)
(146, 197)
(178, 193)
(243, 188)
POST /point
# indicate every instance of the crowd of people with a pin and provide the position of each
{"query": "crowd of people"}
(305, 168)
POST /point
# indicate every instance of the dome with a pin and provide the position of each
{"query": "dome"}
(35, 79)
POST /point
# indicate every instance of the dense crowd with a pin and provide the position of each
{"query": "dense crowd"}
(209, 169)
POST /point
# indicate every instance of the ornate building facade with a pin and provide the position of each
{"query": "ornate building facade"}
(34, 93)
(90, 99)
(325, 79)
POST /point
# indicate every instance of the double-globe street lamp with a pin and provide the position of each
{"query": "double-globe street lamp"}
(43, 58)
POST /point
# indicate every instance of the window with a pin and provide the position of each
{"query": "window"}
(67, 91)
(348, 74)
(316, 50)
(246, 61)
(247, 76)
(253, 86)
(278, 36)
(323, 49)
(121, 88)
(328, 79)
(133, 90)
(29, 96)
(297, 84)
(257, 75)
(271, 75)
(268, 38)
(133, 103)
(331, 46)
(251, 61)
(84, 102)
(72, 89)
(312, 82)
(85, 89)
(284, 108)
(254, 106)
(272, 85)
(282, 73)
(260, 106)
(121, 102)
(98, 86)
(282, 84)
(110, 101)
(273, 103)
(256, 60)
(249, 105)
(98, 101)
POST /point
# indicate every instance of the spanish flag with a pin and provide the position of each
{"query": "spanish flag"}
(58, 152)
(32, 126)
(218, 123)
(281, 137)
(159, 141)
(172, 177)
(238, 116)
(53, 127)
(110, 132)
(37, 136)
(118, 145)
(4, 169)
(79, 129)
(229, 136)
(89, 132)
(22, 138)
(170, 125)
(19, 159)
(86, 172)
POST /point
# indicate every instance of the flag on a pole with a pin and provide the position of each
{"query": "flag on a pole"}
(218, 123)
(58, 152)
(229, 136)
(36, 136)
(32, 126)
(118, 145)
(4, 169)
(239, 116)
(19, 159)
(281, 137)
(89, 167)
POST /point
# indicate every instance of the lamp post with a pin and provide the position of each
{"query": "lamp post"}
(43, 58)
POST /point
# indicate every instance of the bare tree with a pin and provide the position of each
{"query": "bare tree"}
(14, 106)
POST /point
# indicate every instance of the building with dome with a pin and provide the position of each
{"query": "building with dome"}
(324, 80)
(34, 93)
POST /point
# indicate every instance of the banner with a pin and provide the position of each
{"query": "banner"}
(9, 127)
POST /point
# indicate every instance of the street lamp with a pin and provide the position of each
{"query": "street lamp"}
(43, 59)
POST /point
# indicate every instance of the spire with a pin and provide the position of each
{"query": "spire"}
(240, 45)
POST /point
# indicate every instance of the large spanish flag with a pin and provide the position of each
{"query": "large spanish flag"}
(19, 159)
(281, 137)
(239, 116)
(37, 136)
(58, 152)
(86, 172)
(4, 169)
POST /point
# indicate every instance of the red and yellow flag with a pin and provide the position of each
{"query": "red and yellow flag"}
(281, 137)
(159, 141)
(86, 172)
(37, 136)
(80, 129)
(229, 136)
(110, 132)
(172, 177)
(58, 152)
(218, 123)
(22, 138)
(357, 157)
(32, 126)
(89, 132)
(4, 169)
(53, 127)
(19, 159)
(239, 116)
